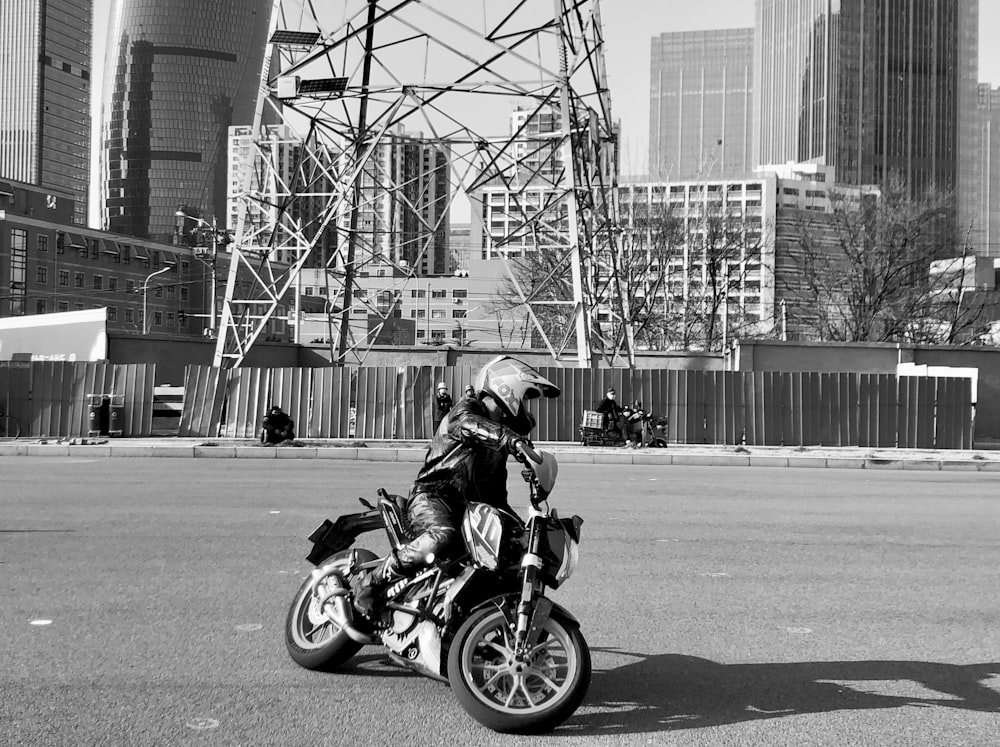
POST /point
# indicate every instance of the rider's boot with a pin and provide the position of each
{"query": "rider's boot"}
(369, 600)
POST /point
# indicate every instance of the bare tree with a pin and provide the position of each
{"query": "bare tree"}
(679, 280)
(701, 280)
(862, 271)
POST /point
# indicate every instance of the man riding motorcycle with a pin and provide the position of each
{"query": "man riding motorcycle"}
(466, 462)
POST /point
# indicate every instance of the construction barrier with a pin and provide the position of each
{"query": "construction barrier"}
(701, 407)
(63, 399)
(57, 399)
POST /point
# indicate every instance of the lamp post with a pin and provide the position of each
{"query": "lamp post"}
(202, 223)
(145, 289)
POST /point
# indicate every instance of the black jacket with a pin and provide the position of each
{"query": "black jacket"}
(611, 408)
(444, 404)
(467, 458)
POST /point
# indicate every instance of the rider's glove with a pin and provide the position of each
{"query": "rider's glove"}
(509, 441)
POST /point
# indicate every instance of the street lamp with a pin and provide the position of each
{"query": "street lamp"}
(145, 288)
(202, 223)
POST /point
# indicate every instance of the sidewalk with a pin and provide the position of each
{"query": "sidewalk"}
(400, 451)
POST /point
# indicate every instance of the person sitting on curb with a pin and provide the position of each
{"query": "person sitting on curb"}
(278, 427)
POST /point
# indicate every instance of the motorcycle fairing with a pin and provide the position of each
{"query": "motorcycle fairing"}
(482, 529)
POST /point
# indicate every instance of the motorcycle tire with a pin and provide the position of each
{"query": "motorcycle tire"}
(313, 641)
(513, 698)
(659, 443)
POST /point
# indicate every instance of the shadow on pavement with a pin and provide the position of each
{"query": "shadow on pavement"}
(671, 691)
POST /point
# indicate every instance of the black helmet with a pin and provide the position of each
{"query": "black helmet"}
(511, 383)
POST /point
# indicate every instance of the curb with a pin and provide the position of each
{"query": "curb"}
(411, 454)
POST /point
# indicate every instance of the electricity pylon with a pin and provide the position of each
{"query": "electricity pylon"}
(357, 82)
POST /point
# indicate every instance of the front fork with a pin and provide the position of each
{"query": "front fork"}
(533, 608)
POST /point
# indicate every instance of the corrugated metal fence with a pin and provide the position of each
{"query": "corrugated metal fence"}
(702, 407)
(52, 398)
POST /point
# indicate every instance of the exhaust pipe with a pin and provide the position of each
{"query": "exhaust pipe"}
(336, 607)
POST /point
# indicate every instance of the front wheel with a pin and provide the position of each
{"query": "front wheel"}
(312, 639)
(510, 696)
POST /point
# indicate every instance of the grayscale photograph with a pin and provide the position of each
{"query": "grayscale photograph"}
(499, 372)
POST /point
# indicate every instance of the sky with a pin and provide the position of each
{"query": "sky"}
(629, 26)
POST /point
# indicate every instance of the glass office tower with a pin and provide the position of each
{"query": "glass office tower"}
(872, 87)
(701, 85)
(179, 75)
(45, 95)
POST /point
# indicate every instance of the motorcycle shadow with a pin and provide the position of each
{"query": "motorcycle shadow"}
(667, 692)
(375, 665)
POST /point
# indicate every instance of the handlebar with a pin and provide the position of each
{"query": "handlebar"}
(528, 452)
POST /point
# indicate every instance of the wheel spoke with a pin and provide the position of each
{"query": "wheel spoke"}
(513, 691)
(493, 679)
(524, 689)
(497, 647)
(544, 678)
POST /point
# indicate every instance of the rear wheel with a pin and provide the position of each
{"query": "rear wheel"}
(312, 639)
(529, 696)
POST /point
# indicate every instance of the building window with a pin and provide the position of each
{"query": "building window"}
(64, 277)
(63, 306)
(78, 279)
(421, 313)
(78, 306)
(42, 275)
(40, 306)
(98, 282)
(112, 313)
(420, 334)
(158, 291)
(439, 294)
(437, 314)
(83, 249)
(171, 291)
(458, 313)
(460, 293)
(129, 316)
(60, 243)
(141, 317)
(126, 252)
(112, 284)
(437, 334)
(184, 294)
(170, 320)
(43, 243)
(129, 285)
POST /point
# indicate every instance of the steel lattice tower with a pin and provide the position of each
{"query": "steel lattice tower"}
(349, 77)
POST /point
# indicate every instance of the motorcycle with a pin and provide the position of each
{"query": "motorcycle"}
(480, 621)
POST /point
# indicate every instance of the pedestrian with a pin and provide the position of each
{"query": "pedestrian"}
(442, 404)
(277, 428)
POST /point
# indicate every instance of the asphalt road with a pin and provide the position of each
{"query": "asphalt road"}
(724, 606)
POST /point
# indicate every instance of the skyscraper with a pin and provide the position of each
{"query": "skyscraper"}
(45, 95)
(980, 215)
(701, 102)
(178, 76)
(869, 86)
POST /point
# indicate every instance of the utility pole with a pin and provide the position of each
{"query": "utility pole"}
(359, 147)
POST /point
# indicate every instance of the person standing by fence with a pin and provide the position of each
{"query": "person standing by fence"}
(442, 404)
